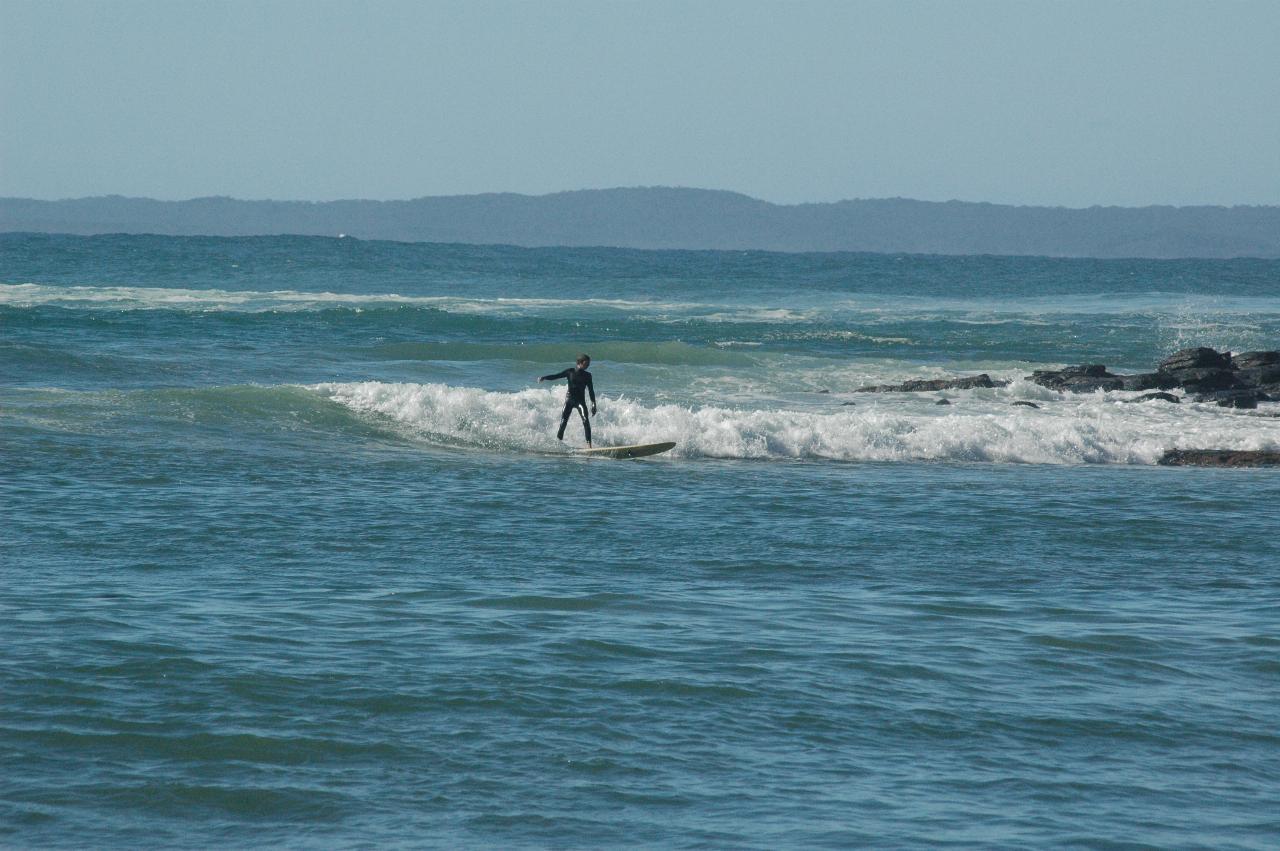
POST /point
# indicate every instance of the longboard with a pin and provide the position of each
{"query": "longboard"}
(637, 451)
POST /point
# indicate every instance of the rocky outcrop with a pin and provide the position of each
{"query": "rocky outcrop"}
(1205, 380)
(1197, 358)
(1220, 458)
(925, 385)
(1250, 360)
(1233, 381)
(1259, 376)
(1149, 381)
(1078, 379)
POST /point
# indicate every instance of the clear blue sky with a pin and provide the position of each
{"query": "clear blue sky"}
(1065, 103)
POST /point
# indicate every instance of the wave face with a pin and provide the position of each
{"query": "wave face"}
(289, 553)
(977, 426)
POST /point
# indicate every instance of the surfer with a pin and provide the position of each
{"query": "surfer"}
(575, 399)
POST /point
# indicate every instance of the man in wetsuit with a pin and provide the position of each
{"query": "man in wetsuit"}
(575, 399)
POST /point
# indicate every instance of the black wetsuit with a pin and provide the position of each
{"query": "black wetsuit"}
(576, 399)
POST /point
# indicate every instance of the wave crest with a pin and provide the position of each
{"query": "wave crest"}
(1089, 430)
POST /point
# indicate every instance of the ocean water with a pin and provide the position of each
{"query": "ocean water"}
(290, 555)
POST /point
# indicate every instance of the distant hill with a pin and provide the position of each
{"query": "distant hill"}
(688, 218)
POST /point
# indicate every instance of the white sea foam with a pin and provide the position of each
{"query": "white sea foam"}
(170, 298)
(1087, 429)
(154, 298)
(984, 309)
(1180, 315)
(254, 301)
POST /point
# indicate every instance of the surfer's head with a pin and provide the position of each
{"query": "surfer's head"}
(584, 361)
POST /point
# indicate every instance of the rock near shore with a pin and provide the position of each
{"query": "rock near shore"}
(1236, 381)
(1205, 375)
(1252, 360)
(1086, 378)
(1197, 358)
(1220, 458)
(925, 385)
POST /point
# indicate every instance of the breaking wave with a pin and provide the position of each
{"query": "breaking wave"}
(800, 307)
(170, 298)
(1094, 430)
(29, 295)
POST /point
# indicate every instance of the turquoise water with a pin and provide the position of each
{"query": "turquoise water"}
(291, 556)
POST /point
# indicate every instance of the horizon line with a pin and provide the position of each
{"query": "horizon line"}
(637, 188)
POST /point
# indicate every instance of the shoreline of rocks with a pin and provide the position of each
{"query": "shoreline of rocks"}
(1204, 375)
(1219, 458)
(1230, 380)
(929, 385)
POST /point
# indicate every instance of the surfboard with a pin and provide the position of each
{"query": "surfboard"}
(639, 450)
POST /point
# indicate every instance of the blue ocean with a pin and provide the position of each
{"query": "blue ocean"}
(290, 555)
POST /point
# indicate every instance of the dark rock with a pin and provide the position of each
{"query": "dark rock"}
(1086, 370)
(1220, 458)
(847, 404)
(1151, 397)
(1239, 400)
(1205, 380)
(1021, 403)
(942, 402)
(1095, 370)
(926, 385)
(1091, 385)
(1249, 360)
(1231, 398)
(1149, 381)
(1253, 376)
(824, 391)
(1077, 379)
(1198, 358)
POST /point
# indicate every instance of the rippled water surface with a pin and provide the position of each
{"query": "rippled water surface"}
(290, 555)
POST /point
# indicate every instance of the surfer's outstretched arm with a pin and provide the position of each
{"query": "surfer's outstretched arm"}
(564, 374)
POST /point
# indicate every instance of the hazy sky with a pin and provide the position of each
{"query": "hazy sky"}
(1071, 103)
